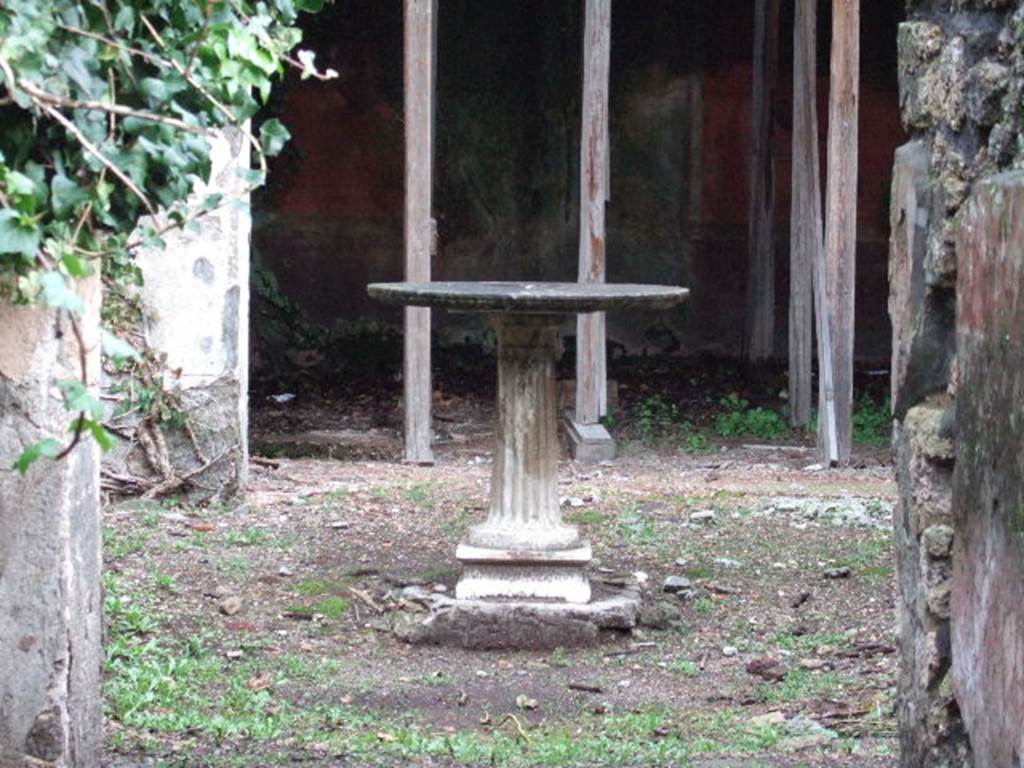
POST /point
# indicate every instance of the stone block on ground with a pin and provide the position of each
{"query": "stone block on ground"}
(590, 443)
(515, 624)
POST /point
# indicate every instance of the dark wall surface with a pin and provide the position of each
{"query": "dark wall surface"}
(507, 188)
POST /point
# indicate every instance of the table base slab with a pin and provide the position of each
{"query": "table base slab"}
(481, 581)
(516, 624)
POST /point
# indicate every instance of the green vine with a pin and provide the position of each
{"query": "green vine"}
(106, 114)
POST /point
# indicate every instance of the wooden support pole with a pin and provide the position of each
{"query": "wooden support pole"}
(420, 69)
(760, 326)
(805, 228)
(591, 364)
(841, 208)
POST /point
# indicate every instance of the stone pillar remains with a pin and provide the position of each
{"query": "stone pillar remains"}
(51, 601)
(988, 495)
(961, 75)
(197, 294)
(525, 521)
(931, 732)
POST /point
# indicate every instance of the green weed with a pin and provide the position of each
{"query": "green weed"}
(872, 422)
(684, 667)
(738, 419)
(250, 537)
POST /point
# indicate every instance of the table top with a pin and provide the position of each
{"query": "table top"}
(539, 297)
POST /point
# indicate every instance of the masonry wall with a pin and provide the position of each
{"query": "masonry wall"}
(960, 74)
(196, 299)
(507, 180)
(51, 602)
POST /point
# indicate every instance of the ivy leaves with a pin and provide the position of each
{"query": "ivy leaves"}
(19, 234)
(105, 116)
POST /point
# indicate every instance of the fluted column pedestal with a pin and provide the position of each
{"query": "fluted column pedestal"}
(523, 549)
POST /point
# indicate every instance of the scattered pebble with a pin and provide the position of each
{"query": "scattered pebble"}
(675, 584)
(838, 573)
(727, 562)
(525, 702)
(767, 668)
(439, 588)
(229, 606)
(285, 571)
(704, 516)
(730, 650)
(723, 589)
(801, 598)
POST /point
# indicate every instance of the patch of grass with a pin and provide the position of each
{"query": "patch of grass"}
(738, 419)
(802, 685)
(317, 587)
(116, 547)
(699, 571)
(250, 537)
(332, 607)
(560, 657)
(236, 567)
(657, 421)
(455, 526)
(805, 644)
(165, 581)
(653, 738)
(872, 422)
(871, 558)
(196, 540)
(704, 605)
(423, 495)
(635, 529)
(684, 667)
(587, 516)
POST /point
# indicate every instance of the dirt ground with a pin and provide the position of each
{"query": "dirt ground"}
(259, 635)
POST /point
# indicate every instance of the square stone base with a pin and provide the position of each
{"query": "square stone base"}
(591, 443)
(504, 573)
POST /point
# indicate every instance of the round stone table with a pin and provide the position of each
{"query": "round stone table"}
(524, 550)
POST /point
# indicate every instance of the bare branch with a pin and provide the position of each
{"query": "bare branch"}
(95, 152)
(146, 55)
(40, 95)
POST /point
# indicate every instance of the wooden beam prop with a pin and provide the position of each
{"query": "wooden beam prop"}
(805, 228)
(591, 364)
(841, 208)
(420, 69)
(760, 330)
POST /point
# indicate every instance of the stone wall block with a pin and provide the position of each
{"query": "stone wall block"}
(920, 42)
(197, 292)
(922, 315)
(927, 711)
(51, 600)
(988, 598)
(943, 85)
(938, 541)
(987, 85)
